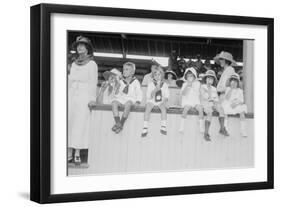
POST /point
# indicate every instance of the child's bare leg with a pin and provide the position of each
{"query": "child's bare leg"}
(163, 128)
(183, 116)
(243, 124)
(209, 113)
(115, 111)
(199, 108)
(127, 110)
(148, 108)
(242, 116)
(222, 118)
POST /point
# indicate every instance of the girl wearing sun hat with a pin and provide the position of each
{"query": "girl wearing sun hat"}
(233, 102)
(190, 97)
(110, 87)
(210, 103)
(82, 86)
(171, 77)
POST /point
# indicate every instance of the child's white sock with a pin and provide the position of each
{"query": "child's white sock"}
(163, 123)
(201, 125)
(145, 124)
(181, 125)
(226, 124)
(144, 129)
(243, 128)
(163, 128)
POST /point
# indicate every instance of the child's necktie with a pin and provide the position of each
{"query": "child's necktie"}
(158, 94)
(126, 88)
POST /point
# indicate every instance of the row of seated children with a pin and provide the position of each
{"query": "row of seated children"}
(123, 89)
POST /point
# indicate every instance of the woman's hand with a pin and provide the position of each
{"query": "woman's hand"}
(91, 105)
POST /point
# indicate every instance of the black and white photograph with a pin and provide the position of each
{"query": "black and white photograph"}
(139, 103)
(129, 103)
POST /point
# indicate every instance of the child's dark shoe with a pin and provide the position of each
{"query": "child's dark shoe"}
(224, 132)
(119, 128)
(163, 130)
(144, 132)
(207, 137)
(114, 128)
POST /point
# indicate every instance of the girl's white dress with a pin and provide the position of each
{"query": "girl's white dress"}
(82, 86)
(208, 96)
(107, 97)
(236, 96)
(192, 97)
(164, 91)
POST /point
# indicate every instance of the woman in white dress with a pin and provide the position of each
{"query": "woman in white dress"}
(82, 85)
(226, 61)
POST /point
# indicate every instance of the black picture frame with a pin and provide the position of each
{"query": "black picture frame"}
(41, 102)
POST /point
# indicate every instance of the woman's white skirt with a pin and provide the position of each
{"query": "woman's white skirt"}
(79, 119)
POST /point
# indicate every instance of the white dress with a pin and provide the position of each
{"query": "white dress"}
(209, 97)
(82, 86)
(192, 97)
(236, 96)
(151, 99)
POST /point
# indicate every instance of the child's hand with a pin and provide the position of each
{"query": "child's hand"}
(92, 105)
(233, 105)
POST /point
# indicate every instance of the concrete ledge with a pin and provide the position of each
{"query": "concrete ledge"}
(171, 110)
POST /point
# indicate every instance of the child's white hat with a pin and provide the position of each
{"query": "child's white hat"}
(234, 76)
(192, 70)
(113, 71)
(171, 72)
(210, 73)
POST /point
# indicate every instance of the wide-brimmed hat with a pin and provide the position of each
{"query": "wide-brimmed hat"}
(113, 71)
(234, 76)
(210, 73)
(226, 56)
(84, 40)
(171, 72)
(192, 70)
